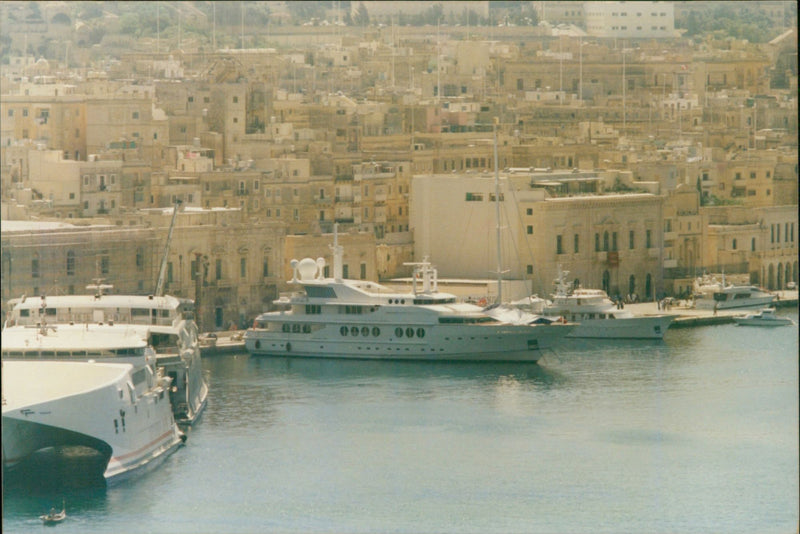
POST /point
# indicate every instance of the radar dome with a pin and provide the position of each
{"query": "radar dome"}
(306, 269)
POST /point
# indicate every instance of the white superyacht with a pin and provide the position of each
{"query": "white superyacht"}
(165, 322)
(88, 386)
(342, 318)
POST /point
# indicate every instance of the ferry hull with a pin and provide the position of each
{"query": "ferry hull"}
(66, 404)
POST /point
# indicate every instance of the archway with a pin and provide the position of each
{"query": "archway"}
(606, 281)
(788, 276)
(771, 277)
(632, 285)
(648, 287)
(780, 276)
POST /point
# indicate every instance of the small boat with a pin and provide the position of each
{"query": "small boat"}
(53, 516)
(765, 317)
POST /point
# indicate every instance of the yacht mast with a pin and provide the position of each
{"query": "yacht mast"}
(497, 216)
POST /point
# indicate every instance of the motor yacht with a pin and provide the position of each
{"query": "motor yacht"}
(710, 294)
(598, 316)
(765, 317)
(342, 318)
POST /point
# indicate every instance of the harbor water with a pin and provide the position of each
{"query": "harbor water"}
(698, 433)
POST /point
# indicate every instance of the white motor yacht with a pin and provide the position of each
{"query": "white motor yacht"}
(710, 294)
(341, 318)
(599, 317)
(765, 317)
(89, 386)
(165, 322)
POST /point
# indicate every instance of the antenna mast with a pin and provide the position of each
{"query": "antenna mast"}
(163, 269)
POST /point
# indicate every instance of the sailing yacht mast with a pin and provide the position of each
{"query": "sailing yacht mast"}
(497, 216)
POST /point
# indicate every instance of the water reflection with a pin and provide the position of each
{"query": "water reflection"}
(338, 370)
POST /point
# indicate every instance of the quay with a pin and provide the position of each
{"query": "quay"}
(232, 341)
(690, 317)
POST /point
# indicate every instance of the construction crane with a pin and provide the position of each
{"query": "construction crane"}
(163, 270)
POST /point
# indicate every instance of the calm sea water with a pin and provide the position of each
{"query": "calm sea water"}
(698, 433)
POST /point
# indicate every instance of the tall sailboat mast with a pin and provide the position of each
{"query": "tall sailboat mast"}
(497, 216)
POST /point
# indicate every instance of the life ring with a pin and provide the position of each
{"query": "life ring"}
(563, 320)
(288, 347)
(482, 302)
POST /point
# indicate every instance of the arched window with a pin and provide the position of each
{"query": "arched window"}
(605, 241)
(606, 281)
(632, 285)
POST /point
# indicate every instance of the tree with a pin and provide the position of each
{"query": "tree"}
(362, 16)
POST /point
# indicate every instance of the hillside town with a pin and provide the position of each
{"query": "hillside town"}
(614, 140)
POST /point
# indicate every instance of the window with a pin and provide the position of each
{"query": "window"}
(218, 269)
(597, 242)
(529, 211)
(529, 269)
(614, 241)
(10, 112)
(631, 240)
(135, 115)
(242, 267)
(753, 244)
(575, 244)
(605, 241)
(559, 247)
(752, 175)
(363, 271)
(474, 197)
(265, 268)
(733, 244)
(70, 263)
(530, 229)
(648, 239)
(235, 99)
(105, 263)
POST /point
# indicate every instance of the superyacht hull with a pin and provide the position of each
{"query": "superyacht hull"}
(63, 405)
(437, 343)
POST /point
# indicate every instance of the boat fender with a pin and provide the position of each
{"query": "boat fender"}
(288, 347)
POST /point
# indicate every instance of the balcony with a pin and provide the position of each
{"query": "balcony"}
(670, 264)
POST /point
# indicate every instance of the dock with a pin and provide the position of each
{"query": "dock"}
(226, 342)
(690, 317)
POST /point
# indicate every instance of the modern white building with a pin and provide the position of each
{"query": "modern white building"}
(632, 20)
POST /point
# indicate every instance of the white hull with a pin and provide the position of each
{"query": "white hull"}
(762, 322)
(749, 302)
(440, 343)
(56, 404)
(624, 328)
(160, 320)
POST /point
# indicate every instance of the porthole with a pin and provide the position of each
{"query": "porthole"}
(402, 301)
(258, 346)
(409, 332)
(398, 332)
(354, 331)
(365, 331)
(376, 331)
(343, 330)
(420, 332)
